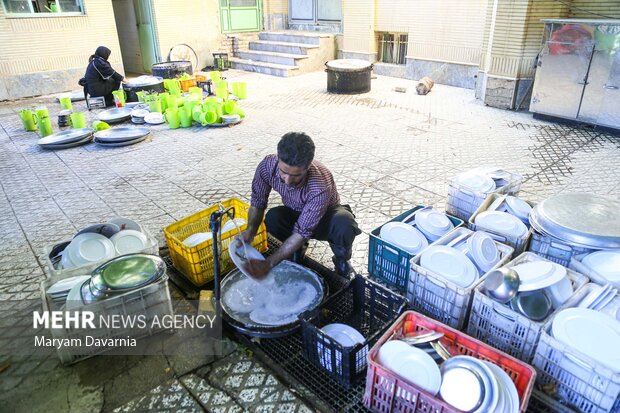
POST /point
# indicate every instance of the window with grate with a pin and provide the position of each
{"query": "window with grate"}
(43, 7)
(393, 48)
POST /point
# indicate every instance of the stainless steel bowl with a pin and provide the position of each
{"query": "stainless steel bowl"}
(502, 284)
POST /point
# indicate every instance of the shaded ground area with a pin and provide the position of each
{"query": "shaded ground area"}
(388, 151)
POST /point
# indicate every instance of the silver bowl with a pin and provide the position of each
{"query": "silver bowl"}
(502, 284)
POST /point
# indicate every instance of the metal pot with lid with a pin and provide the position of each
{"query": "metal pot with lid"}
(348, 76)
(580, 219)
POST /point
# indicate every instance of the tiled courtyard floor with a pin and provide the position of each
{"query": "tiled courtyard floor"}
(388, 151)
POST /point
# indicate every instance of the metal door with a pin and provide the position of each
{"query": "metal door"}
(315, 11)
(595, 86)
(146, 33)
(560, 78)
(610, 101)
(240, 16)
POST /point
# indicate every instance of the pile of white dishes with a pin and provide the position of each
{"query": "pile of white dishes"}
(477, 181)
(450, 264)
(115, 137)
(480, 248)
(501, 223)
(231, 119)
(200, 237)
(137, 116)
(604, 299)
(606, 264)
(544, 286)
(154, 118)
(415, 232)
(473, 385)
(344, 335)
(59, 291)
(412, 364)
(101, 242)
(590, 332)
(513, 206)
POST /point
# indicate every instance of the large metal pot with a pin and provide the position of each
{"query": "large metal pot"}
(156, 86)
(171, 70)
(348, 76)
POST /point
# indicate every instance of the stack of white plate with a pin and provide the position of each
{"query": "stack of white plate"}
(121, 136)
(231, 118)
(344, 335)
(590, 332)
(412, 364)
(404, 236)
(450, 264)
(481, 249)
(154, 118)
(478, 386)
(519, 208)
(501, 223)
(137, 116)
(433, 224)
(197, 238)
(599, 298)
(59, 291)
(606, 264)
(67, 139)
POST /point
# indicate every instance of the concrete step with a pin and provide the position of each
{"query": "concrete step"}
(295, 37)
(271, 57)
(263, 67)
(282, 47)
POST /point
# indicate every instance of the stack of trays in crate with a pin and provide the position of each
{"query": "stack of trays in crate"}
(468, 190)
(443, 276)
(569, 224)
(336, 335)
(505, 217)
(578, 356)
(392, 245)
(513, 324)
(474, 376)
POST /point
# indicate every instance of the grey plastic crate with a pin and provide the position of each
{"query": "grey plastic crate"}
(595, 277)
(463, 201)
(518, 243)
(553, 249)
(52, 251)
(572, 377)
(152, 301)
(431, 295)
(505, 329)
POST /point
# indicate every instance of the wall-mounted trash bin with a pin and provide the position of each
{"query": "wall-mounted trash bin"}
(348, 76)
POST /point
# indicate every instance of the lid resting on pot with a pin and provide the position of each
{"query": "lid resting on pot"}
(348, 65)
(580, 219)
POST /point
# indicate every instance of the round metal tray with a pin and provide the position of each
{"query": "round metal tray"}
(115, 115)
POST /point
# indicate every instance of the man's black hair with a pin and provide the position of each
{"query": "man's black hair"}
(296, 149)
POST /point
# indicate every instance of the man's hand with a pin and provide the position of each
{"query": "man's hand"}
(258, 269)
(247, 236)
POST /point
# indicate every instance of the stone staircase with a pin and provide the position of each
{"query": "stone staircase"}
(286, 53)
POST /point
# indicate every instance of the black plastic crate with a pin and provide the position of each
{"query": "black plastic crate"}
(364, 305)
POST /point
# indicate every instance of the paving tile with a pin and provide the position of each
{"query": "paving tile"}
(169, 397)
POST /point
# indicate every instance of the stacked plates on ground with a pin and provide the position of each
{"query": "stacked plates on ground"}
(450, 264)
(115, 115)
(591, 332)
(154, 118)
(121, 136)
(476, 181)
(67, 139)
(473, 385)
(137, 116)
(606, 264)
(501, 223)
(432, 224)
(231, 119)
(544, 286)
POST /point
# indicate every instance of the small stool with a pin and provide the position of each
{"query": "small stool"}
(95, 102)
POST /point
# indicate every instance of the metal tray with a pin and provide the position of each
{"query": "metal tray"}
(66, 136)
(121, 143)
(84, 141)
(115, 115)
(116, 135)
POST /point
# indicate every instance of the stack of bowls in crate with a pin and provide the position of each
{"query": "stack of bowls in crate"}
(468, 190)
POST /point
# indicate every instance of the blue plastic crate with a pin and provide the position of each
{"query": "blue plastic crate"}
(388, 263)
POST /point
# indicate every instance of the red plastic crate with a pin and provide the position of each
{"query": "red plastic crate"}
(387, 392)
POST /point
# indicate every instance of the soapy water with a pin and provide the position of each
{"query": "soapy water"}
(291, 290)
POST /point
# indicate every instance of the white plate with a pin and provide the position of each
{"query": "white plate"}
(65, 259)
(129, 241)
(595, 334)
(599, 304)
(433, 223)
(404, 236)
(389, 350)
(230, 225)
(126, 223)
(491, 388)
(90, 247)
(536, 275)
(450, 264)
(605, 263)
(477, 182)
(64, 286)
(502, 223)
(417, 367)
(498, 204)
(154, 118)
(344, 334)
(595, 292)
(511, 396)
(461, 387)
(197, 238)
(483, 250)
(518, 207)
(139, 113)
(238, 255)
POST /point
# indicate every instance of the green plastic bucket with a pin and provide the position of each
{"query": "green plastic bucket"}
(65, 103)
(28, 119)
(240, 89)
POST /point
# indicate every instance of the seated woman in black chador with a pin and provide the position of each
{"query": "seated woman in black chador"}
(100, 79)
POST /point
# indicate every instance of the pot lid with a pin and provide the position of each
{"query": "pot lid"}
(121, 134)
(580, 219)
(348, 65)
(144, 81)
(115, 115)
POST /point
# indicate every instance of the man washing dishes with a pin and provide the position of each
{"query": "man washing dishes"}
(311, 206)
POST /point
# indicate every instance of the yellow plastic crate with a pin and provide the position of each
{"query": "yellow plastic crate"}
(196, 263)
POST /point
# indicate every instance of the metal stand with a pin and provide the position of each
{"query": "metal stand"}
(215, 223)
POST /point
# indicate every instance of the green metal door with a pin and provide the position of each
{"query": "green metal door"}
(146, 33)
(240, 16)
